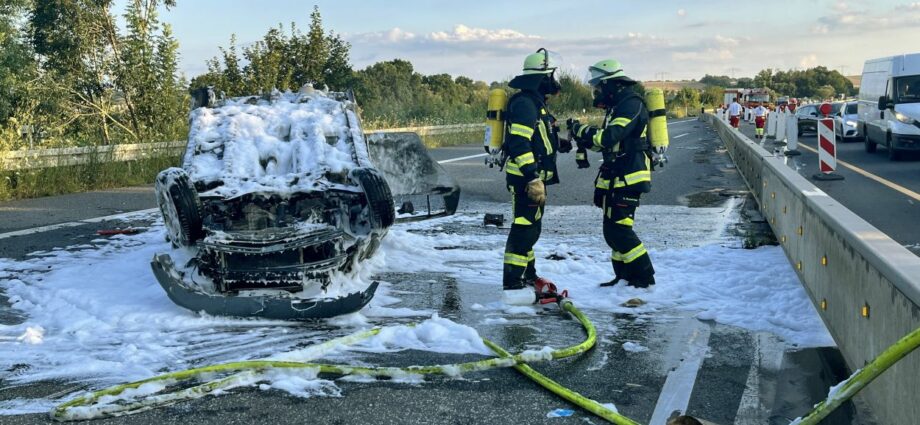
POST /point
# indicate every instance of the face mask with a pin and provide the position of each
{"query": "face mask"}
(549, 86)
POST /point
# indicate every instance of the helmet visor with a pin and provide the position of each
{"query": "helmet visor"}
(596, 75)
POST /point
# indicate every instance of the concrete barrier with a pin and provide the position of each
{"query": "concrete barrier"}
(865, 286)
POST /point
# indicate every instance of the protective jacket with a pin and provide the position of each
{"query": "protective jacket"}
(530, 145)
(623, 143)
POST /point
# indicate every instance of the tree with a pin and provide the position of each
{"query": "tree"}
(17, 66)
(712, 95)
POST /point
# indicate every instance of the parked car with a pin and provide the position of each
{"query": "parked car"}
(807, 117)
(889, 104)
(845, 121)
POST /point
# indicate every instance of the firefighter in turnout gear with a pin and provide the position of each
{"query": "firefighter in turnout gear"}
(625, 173)
(530, 147)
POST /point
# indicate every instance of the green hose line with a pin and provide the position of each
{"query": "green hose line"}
(861, 378)
(71, 409)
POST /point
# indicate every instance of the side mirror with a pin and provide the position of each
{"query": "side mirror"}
(883, 103)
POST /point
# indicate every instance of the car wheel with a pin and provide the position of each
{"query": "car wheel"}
(180, 206)
(868, 144)
(381, 207)
(893, 155)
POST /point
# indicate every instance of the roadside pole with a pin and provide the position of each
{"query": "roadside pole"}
(781, 127)
(792, 135)
(827, 147)
(771, 124)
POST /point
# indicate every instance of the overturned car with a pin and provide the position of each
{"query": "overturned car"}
(277, 202)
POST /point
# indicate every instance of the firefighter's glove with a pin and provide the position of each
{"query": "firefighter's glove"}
(581, 158)
(599, 197)
(584, 143)
(570, 124)
(565, 146)
(536, 191)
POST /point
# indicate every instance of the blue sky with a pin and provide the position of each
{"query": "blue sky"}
(487, 40)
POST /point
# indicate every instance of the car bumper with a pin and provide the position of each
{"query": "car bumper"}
(906, 142)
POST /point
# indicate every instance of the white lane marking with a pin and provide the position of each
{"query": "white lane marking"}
(39, 229)
(682, 135)
(121, 216)
(675, 394)
(890, 184)
(51, 227)
(462, 158)
(768, 357)
(683, 121)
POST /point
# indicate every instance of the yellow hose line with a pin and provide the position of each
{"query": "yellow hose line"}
(77, 408)
(854, 384)
(556, 388)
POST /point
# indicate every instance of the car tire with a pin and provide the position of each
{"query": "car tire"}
(868, 144)
(381, 208)
(893, 155)
(181, 208)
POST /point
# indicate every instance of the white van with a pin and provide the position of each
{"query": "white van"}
(889, 104)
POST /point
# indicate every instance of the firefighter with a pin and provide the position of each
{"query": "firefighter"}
(530, 147)
(625, 173)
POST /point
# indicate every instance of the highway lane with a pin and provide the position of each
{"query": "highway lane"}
(700, 173)
(894, 212)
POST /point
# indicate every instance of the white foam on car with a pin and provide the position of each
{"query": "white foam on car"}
(281, 146)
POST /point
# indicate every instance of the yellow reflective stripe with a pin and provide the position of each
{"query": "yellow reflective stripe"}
(638, 176)
(545, 137)
(644, 130)
(597, 138)
(609, 210)
(621, 121)
(626, 222)
(524, 159)
(581, 130)
(538, 214)
(634, 253)
(546, 175)
(521, 130)
(602, 184)
(515, 260)
(615, 256)
(513, 169)
(580, 155)
(531, 256)
(522, 221)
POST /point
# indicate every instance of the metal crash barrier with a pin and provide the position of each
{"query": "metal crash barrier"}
(865, 286)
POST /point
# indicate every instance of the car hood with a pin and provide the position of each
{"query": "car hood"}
(910, 109)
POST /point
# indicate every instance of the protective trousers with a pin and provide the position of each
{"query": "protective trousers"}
(758, 126)
(629, 257)
(519, 264)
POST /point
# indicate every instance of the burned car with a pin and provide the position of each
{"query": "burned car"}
(277, 202)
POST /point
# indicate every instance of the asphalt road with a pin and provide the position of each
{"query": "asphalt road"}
(700, 174)
(892, 211)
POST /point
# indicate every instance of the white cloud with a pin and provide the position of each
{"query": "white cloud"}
(463, 33)
(809, 61)
(681, 13)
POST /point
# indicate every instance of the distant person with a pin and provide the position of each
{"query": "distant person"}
(760, 119)
(702, 112)
(734, 113)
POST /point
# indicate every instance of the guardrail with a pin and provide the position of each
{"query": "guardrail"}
(56, 157)
(865, 286)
